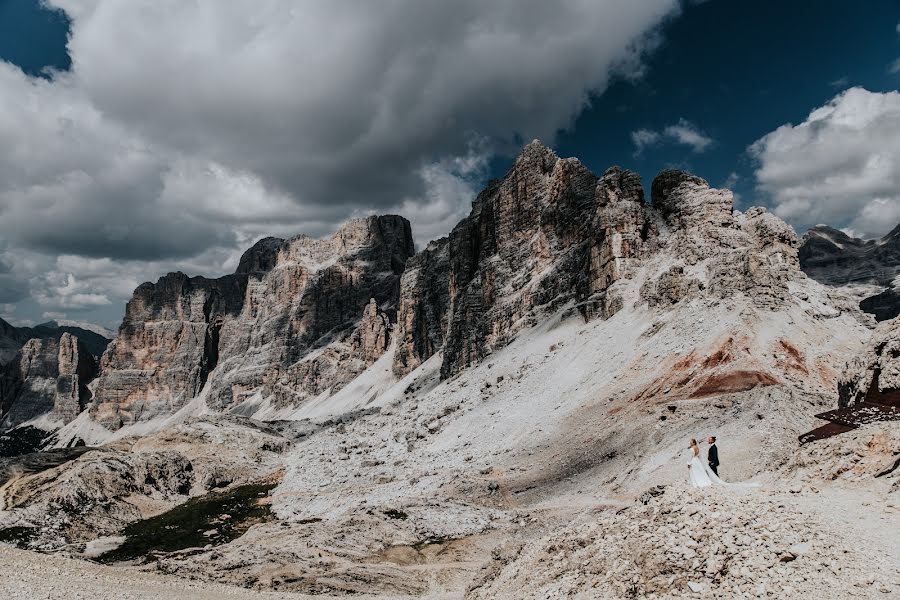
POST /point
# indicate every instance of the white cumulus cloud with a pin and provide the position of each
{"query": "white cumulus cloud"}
(840, 166)
(683, 132)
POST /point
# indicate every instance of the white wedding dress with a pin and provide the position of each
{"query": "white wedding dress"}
(700, 475)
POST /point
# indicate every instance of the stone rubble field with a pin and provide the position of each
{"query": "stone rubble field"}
(710, 543)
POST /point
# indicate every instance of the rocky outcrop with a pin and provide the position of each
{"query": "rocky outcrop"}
(279, 328)
(13, 338)
(90, 492)
(635, 552)
(752, 253)
(46, 376)
(549, 233)
(335, 365)
(303, 317)
(873, 375)
(424, 306)
(671, 287)
(623, 232)
(834, 258)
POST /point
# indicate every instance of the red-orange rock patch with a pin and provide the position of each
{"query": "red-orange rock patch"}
(733, 381)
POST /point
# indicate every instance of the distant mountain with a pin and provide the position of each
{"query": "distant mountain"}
(89, 334)
(82, 325)
(834, 258)
(12, 338)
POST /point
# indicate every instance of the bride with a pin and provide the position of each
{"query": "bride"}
(699, 473)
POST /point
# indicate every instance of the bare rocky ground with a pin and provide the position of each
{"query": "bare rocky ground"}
(100, 490)
(523, 476)
(27, 575)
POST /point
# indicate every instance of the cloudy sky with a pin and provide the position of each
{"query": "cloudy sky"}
(147, 136)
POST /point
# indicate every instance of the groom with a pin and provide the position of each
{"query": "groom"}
(712, 458)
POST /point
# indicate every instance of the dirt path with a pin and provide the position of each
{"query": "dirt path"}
(27, 575)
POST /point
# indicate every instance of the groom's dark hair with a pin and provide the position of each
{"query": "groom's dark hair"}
(713, 438)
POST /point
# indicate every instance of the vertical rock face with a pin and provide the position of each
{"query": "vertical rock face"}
(548, 233)
(303, 317)
(424, 305)
(623, 231)
(46, 376)
(874, 374)
(278, 328)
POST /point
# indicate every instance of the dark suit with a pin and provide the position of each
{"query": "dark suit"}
(712, 459)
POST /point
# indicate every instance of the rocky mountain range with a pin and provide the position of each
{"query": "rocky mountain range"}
(451, 422)
(867, 267)
(13, 338)
(832, 257)
(298, 317)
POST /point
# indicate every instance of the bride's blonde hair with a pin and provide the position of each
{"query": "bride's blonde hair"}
(693, 442)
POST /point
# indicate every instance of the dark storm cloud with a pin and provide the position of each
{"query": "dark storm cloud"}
(186, 130)
(12, 287)
(340, 104)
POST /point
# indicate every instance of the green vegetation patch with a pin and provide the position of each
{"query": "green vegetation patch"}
(17, 536)
(213, 519)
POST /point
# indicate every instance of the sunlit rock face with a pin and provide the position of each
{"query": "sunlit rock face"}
(551, 233)
(301, 318)
(283, 326)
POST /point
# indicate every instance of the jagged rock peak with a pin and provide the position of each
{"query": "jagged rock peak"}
(261, 257)
(46, 376)
(620, 184)
(391, 231)
(248, 335)
(548, 233)
(665, 183)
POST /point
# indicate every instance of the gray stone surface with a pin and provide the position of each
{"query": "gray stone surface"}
(282, 325)
(46, 376)
(874, 373)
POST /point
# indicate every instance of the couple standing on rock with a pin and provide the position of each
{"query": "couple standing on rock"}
(700, 473)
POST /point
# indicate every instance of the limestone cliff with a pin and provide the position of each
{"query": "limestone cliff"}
(297, 317)
(47, 376)
(551, 233)
(301, 318)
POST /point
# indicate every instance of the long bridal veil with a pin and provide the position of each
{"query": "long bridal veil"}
(700, 475)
